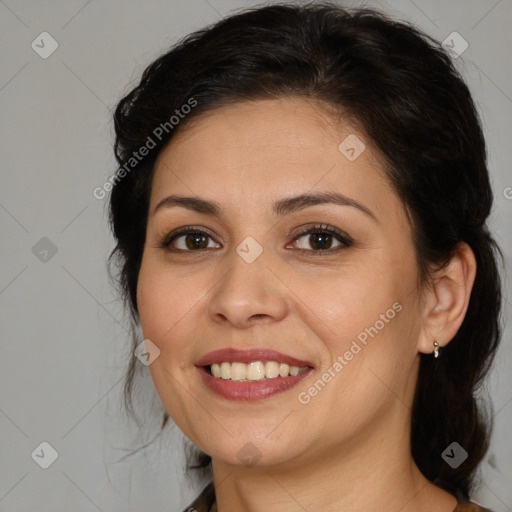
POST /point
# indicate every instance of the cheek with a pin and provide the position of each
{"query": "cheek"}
(164, 300)
(369, 351)
(153, 303)
(367, 321)
(341, 304)
(166, 311)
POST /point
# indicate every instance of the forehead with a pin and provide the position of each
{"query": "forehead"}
(268, 149)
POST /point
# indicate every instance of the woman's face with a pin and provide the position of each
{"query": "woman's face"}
(255, 280)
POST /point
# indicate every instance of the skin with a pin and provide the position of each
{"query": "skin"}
(347, 448)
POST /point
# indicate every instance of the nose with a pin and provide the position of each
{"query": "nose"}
(248, 293)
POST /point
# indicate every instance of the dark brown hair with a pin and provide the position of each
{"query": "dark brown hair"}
(401, 86)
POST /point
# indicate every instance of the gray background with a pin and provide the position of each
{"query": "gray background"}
(64, 337)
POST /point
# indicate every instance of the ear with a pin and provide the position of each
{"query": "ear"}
(446, 300)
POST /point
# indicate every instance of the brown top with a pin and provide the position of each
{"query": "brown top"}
(205, 502)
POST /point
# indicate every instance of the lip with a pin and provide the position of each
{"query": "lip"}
(232, 355)
(250, 391)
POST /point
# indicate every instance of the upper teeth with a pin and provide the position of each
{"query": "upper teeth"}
(257, 370)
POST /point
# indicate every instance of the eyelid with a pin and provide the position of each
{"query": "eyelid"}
(322, 228)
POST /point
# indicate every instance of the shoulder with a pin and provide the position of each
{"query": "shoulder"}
(204, 501)
(469, 506)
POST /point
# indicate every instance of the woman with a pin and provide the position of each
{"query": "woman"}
(300, 217)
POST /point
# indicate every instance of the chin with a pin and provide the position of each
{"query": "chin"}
(257, 450)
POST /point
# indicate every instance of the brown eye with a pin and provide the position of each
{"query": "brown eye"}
(321, 238)
(187, 240)
(195, 241)
(322, 241)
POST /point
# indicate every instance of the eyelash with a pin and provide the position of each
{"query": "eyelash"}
(342, 237)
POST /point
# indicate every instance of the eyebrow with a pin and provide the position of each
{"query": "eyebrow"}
(280, 208)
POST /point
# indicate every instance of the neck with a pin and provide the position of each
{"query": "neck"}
(368, 472)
